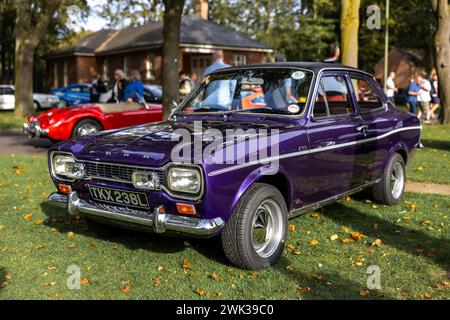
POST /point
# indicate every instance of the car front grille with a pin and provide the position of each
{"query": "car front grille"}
(117, 172)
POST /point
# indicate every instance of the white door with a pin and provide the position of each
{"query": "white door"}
(7, 98)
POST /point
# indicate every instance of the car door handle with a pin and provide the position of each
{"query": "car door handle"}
(362, 128)
(328, 144)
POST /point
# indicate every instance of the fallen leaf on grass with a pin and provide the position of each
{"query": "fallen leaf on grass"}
(291, 227)
(377, 242)
(160, 268)
(84, 281)
(315, 216)
(447, 283)
(347, 198)
(18, 170)
(290, 247)
(70, 234)
(425, 222)
(8, 276)
(51, 267)
(39, 247)
(38, 222)
(334, 237)
(28, 216)
(357, 236)
(297, 253)
(363, 293)
(126, 287)
(49, 284)
(215, 276)
(201, 292)
(346, 241)
(313, 242)
(375, 206)
(304, 289)
(425, 296)
(345, 229)
(186, 264)
(72, 246)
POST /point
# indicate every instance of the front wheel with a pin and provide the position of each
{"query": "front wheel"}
(254, 236)
(390, 189)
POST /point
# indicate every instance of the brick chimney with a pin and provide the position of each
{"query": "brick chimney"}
(201, 9)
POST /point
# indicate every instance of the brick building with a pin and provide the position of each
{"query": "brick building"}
(140, 48)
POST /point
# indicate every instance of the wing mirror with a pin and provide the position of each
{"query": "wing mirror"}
(174, 108)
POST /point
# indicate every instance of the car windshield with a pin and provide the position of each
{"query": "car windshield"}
(275, 91)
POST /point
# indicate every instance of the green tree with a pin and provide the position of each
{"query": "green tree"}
(131, 13)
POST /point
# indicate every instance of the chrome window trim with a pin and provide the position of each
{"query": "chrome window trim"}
(311, 151)
(164, 169)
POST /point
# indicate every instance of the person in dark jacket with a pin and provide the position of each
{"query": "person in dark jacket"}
(118, 91)
(98, 87)
(333, 54)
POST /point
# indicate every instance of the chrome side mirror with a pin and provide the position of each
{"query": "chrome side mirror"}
(174, 108)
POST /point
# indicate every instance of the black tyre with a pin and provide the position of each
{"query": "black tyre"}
(36, 106)
(390, 189)
(86, 127)
(254, 236)
(103, 230)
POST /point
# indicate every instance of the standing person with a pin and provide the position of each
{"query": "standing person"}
(193, 79)
(333, 54)
(185, 85)
(435, 101)
(135, 89)
(118, 91)
(97, 88)
(424, 97)
(391, 88)
(217, 63)
(411, 95)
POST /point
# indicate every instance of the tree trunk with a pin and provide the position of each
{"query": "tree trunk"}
(171, 53)
(24, 79)
(28, 35)
(349, 31)
(442, 51)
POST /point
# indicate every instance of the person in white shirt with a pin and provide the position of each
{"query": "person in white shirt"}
(391, 88)
(424, 97)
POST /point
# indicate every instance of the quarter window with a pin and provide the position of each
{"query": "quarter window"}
(366, 95)
(332, 98)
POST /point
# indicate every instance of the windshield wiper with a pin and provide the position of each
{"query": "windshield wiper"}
(262, 109)
(207, 109)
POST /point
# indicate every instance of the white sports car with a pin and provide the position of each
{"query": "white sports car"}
(40, 100)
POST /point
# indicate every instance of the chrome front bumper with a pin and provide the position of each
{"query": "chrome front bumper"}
(157, 221)
(35, 131)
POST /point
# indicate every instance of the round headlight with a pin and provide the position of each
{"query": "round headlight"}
(186, 180)
(65, 166)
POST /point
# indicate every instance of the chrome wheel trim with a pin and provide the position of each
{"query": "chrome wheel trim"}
(86, 129)
(397, 182)
(267, 228)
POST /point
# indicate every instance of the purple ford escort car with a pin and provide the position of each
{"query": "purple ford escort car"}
(248, 149)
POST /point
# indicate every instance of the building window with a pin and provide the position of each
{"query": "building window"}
(66, 74)
(55, 75)
(240, 59)
(105, 70)
(149, 67)
(126, 65)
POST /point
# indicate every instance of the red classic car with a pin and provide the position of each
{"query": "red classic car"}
(65, 123)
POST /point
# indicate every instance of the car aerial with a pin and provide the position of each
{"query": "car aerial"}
(40, 100)
(64, 123)
(330, 130)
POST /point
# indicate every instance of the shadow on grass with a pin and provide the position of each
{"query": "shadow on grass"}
(326, 286)
(436, 144)
(3, 279)
(134, 240)
(408, 240)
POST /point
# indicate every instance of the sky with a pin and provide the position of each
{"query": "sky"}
(94, 22)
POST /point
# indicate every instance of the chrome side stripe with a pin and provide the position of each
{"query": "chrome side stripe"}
(309, 151)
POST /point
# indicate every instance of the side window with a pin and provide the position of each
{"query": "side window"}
(366, 95)
(332, 98)
(5, 91)
(73, 89)
(85, 90)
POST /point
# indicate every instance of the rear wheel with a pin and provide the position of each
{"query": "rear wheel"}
(86, 127)
(390, 189)
(254, 236)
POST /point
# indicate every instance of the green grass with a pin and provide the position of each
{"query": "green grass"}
(414, 255)
(9, 121)
(432, 164)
